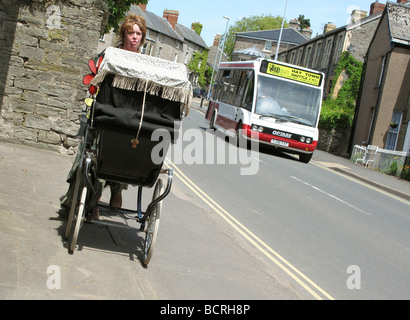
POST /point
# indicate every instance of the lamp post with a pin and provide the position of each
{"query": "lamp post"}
(216, 57)
(281, 31)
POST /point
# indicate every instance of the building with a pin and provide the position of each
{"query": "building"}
(166, 38)
(323, 52)
(383, 111)
(266, 41)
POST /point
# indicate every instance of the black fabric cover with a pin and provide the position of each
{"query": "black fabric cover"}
(117, 116)
(120, 110)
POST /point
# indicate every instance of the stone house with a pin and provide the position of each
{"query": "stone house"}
(383, 111)
(166, 38)
(267, 41)
(323, 52)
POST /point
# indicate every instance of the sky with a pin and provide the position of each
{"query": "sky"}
(210, 13)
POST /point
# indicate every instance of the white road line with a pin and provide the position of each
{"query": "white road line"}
(332, 196)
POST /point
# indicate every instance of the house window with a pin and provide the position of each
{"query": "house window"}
(144, 48)
(300, 53)
(339, 49)
(268, 46)
(293, 57)
(307, 57)
(328, 50)
(394, 128)
(317, 55)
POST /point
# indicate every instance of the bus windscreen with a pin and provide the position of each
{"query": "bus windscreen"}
(288, 101)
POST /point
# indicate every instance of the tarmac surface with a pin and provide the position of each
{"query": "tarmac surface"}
(32, 180)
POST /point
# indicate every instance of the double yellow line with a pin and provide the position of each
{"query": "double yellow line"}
(317, 292)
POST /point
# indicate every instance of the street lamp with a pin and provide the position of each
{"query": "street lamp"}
(216, 57)
(281, 31)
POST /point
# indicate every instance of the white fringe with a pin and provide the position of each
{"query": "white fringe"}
(181, 95)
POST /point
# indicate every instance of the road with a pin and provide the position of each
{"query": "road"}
(318, 233)
(235, 226)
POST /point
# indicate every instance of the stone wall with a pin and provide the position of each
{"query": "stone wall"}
(44, 49)
(335, 141)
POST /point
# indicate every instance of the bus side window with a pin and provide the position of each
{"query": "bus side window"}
(248, 97)
(240, 89)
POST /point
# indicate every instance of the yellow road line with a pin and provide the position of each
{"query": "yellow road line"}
(289, 269)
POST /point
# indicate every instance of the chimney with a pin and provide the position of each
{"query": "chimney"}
(171, 16)
(376, 7)
(307, 32)
(329, 27)
(143, 6)
(216, 40)
(357, 15)
(294, 24)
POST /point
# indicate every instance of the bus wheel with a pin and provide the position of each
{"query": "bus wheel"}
(241, 142)
(305, 158)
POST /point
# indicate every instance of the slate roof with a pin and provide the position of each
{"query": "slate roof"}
(190, 35)
(161, 25)
(399, 22)
(254, 52)
(157, 23)
(289, 35)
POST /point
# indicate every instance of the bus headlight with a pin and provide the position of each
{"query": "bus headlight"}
(308, 140)
(256, 128)
(302, 139)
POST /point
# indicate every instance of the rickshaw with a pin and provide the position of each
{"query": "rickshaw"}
(133, 96)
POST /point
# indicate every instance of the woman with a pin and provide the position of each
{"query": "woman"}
(132, 35)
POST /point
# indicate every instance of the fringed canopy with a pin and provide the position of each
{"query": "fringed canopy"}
(159, 77)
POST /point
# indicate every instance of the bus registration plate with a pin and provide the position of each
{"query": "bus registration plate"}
(280, 143)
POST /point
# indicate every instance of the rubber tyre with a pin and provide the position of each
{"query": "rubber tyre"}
(152, 224)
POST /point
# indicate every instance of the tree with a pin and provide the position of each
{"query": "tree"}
(253, 23)
(304, 23)
(117, 10)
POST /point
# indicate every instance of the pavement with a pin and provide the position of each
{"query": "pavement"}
(32, 247)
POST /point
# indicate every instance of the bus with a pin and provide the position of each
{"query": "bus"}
(269, 102)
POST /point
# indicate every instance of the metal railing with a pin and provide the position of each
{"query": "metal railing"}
(386, 161)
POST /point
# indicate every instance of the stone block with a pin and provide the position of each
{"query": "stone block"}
(49, 137)
(37, 122)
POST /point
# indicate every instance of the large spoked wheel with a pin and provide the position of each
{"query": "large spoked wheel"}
(79, 219)
(74, 202)
(152, 223)
(213, 120)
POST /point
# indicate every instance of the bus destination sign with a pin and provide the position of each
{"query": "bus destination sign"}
(290, 73)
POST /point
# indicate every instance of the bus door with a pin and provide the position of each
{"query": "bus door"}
(234, 92)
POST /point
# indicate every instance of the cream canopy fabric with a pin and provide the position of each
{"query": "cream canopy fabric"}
(134, 71)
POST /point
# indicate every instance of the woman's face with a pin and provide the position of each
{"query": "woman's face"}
(132, 39)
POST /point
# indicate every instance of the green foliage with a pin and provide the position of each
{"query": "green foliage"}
(405, 174)
(338, 113)
(198, 65)
(253, 23)
(197, 27)
(393, 168)
(117, 11)
(304, 23)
